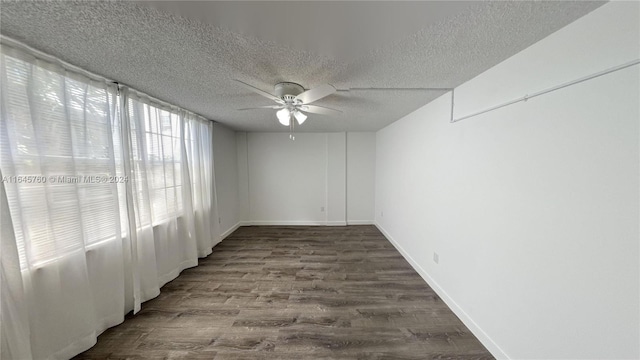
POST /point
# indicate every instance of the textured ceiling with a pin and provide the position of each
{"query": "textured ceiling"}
(379, 55)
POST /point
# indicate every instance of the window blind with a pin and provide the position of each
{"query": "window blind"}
(56, 152)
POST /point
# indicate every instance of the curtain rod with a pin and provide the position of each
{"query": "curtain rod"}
(7, 41)
(542, 92)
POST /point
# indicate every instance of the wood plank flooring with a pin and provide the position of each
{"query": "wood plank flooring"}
(294, 293)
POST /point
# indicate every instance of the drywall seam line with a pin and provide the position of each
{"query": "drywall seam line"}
(546, 91)
(346, 177)
(326, 179)
(246, 143)
(396, 89)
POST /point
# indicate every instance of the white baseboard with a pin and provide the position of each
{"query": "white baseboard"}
(292, 223)
(307, 223)
(464, 317)
(230, 231)
(336, 223)
(360, 222)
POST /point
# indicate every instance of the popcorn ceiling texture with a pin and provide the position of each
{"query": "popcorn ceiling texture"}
(192, 63)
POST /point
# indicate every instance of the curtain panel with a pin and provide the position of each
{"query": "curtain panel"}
(106, 195)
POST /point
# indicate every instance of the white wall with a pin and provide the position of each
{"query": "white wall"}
(226, 172)
(361, 172)
(287, 179)
(305, 181)
(532, 208)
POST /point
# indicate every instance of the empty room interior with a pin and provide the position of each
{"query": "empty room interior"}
(320, 180)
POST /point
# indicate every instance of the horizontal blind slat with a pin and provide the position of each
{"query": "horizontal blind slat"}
(57, 125)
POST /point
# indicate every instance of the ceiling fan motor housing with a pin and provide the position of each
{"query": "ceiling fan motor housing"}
(288, 91)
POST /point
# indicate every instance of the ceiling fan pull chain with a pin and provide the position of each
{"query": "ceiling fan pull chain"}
(293, 129)
(291, 137)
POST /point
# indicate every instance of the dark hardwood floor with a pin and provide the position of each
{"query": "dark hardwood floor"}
(294, 293)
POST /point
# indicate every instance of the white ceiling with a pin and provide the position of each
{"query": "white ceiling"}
(380, 55)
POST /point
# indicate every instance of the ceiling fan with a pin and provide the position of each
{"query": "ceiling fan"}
(292, 100)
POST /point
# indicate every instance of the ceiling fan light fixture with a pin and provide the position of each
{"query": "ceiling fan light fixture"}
(300, 116)
(292, 99)
(284, 116)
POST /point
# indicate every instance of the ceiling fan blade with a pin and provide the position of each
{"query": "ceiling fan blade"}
(263, 107)
(320, 110)
(258, 91)
(316, 93)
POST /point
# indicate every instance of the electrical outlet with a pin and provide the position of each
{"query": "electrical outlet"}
(219, 220)
(381, 214)
(436, 257)
(321, 208)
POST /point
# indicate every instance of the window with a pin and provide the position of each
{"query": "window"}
(56, 148)
(157, 145)
(86, 167)
(199, 151)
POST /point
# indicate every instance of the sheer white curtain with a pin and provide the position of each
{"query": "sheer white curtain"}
(104, 198)
(199, 147)
(15, 344)
(56, 129)
(170, 189)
